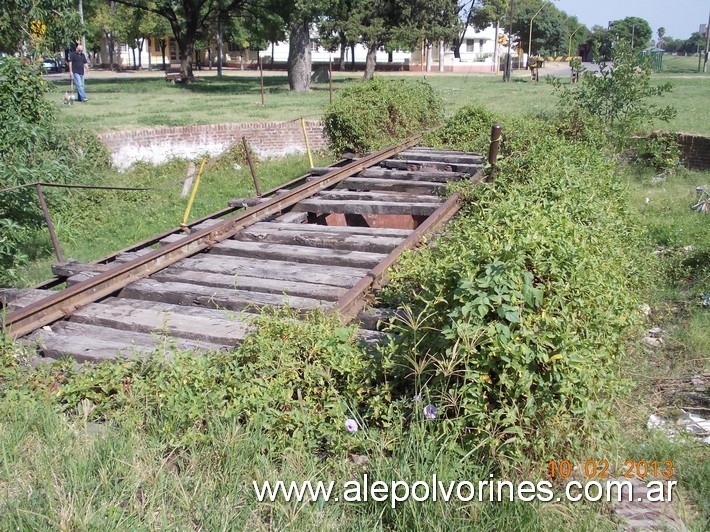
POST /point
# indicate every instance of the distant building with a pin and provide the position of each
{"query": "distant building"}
(477, 52)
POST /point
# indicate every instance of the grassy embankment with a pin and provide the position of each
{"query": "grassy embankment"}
(66, 471)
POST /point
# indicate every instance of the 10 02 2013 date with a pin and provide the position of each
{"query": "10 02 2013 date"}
(601, 468)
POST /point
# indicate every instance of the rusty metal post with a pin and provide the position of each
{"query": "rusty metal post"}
(495, 143)
(251, 167)
(261, 75)
(50, 226)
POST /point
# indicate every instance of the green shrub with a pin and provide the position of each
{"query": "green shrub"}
(377, 113)
(618, 99)
(297, 381)
(514, 326)
(33, 149)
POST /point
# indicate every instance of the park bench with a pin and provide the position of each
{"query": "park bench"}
(173, 74)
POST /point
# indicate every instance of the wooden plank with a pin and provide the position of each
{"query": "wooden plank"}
(242, 316)
(319, 239)
(210, 297)
(14, 299)
(375, 318)
(273, 269)
(441, 156)
(253, 284)
(365, 207)
(72, 267)
(303, 254)
(216, 329)
(90, 343)
(393, 185)
(424, 166)
(402, 197)
(336, 229)
(430, 176)
(292, 217)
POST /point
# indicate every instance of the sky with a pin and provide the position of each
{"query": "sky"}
(679, 17)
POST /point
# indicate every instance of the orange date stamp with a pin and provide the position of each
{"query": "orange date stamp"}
(640, 469)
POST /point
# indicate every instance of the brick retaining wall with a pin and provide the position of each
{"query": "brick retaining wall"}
(158, 145)
(695, 151)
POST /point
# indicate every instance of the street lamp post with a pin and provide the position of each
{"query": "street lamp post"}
(531, 26)
(569, 48)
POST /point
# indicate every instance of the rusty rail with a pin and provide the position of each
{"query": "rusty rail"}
(64, 303)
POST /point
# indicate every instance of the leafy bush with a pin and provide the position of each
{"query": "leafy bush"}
(615, 99)
(33, 149)
(659, 150)
(514, 325)
(296, 380)
(377, 113)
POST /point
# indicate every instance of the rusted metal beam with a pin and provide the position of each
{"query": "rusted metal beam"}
(251, 167)
(495, 144)
(48, 220)
(64, 303)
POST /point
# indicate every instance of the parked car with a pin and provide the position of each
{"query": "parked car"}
(53, 66)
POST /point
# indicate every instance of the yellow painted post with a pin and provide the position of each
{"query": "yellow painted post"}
(193, 194)
(308, 146)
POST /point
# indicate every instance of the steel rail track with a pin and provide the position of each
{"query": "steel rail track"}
(64, 303)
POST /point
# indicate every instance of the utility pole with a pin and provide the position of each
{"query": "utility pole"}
(531, 28)
(707, 44)
(508, 58)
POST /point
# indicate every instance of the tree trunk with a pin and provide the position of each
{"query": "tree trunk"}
(150, 53)
(140, 51)
(428, 57)
(110, 51)
(133, 51)
(343, 47)
(187, 51)
(370, 61)
(299, 58)
(352, 55)
(163, 46)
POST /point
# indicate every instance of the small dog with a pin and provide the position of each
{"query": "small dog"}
(68, 98)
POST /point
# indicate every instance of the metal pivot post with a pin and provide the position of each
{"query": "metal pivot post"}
(48, 220)
(251, 167)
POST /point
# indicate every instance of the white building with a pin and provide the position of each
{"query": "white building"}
(477, 52)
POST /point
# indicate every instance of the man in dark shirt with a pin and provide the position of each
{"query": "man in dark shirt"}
(77, 62)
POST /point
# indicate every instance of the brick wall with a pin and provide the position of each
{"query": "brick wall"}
(695, 150)
(158, 145)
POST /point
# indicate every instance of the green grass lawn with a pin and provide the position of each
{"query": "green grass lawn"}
(151, 102)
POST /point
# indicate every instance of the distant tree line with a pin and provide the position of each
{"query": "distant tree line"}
(338, 24)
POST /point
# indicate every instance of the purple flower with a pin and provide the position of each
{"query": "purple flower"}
(430, 412)
(417, 397)
(351, 425)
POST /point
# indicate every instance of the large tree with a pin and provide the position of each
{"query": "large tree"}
(633, 30)
(58, 24)
(189, 21)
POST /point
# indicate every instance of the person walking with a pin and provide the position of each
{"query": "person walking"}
(77, 66)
